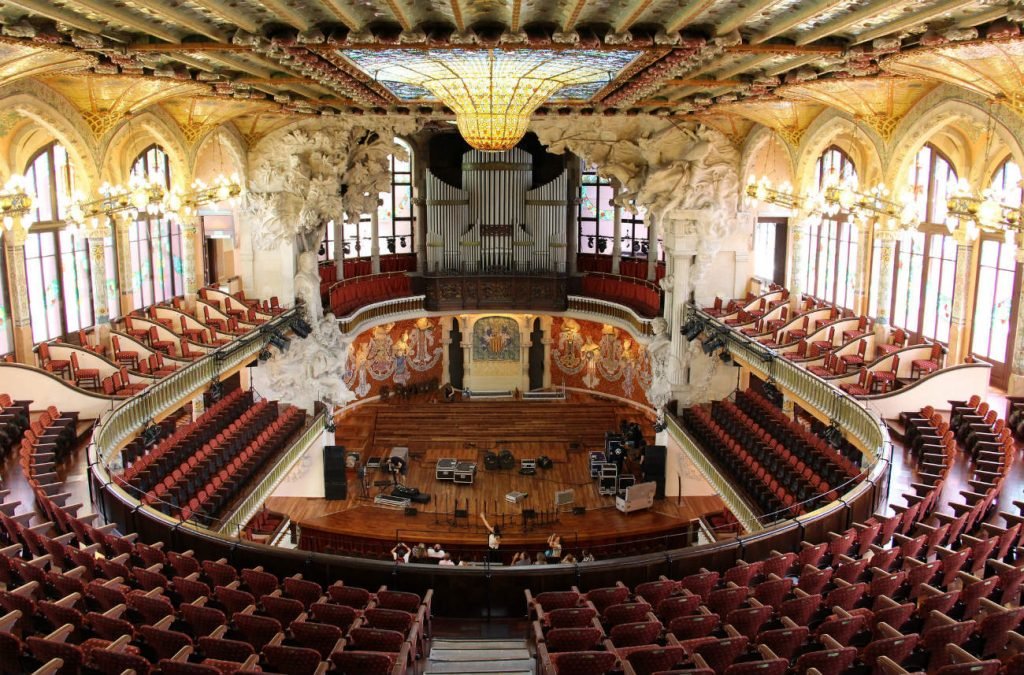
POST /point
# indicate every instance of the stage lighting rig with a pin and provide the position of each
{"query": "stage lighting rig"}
(301, 328)
(834, 435)
(692, 329)
(772, 393)
(282, 343)
(713, 342)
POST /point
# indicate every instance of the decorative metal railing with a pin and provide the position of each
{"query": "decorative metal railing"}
(378, 310)
(604, 309)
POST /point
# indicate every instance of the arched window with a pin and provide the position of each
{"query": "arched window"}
(57, 262)
(925, 267)
(154, 242)
(832, 245)
(997, 289)
(596, 218)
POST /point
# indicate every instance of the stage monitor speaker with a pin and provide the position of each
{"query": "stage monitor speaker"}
(411, 511)
(490, 461)
(506, 459)
(462, 513)
(579, 510)
(654, 468)
(544, 462)
(335, 473)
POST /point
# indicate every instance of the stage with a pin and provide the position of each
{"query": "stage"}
(564, 431)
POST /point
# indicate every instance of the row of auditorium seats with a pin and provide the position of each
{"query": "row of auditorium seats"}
(918, 591)
(351, 294)
(202, 467)
(81, 599)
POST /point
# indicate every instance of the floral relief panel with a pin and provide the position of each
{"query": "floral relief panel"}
(601, 358)
(392, 354)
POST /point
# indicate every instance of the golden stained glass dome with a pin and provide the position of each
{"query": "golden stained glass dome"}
(492, 92)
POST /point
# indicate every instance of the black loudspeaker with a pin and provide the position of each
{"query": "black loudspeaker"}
(654, 468)
(462, 513)
(335, 474)
(544, 462)
(490, 461)
(506, 459)
(579, 510)
(411, 511)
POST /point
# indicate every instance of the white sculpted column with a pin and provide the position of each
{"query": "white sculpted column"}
(652, 249)
(617, 235)
(189, 226)
(17, 287)
(98, 273)
(338, 234)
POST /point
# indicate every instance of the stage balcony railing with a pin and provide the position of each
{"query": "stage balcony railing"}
(628, 267)
(348, 295)
(613, 311)
(638, 294)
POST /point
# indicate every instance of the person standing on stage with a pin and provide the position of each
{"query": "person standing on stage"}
(493, 540)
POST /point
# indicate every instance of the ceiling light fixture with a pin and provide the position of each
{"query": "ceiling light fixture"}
(493, 92)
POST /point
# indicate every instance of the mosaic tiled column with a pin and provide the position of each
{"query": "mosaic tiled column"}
(189, 228)
(798, 245)
(124, 261)
(863, 274)
(958, 346)
(17, 288)
(886, 262)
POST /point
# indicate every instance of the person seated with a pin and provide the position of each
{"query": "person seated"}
(419, 554)
(435, 552)
(520, 559)
(569, 559)
(400, 553)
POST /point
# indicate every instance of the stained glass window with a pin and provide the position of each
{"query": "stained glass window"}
(833, 246)
(995, 304)
(395, 215)
(57, 263)
(925, 262)
(154, 242)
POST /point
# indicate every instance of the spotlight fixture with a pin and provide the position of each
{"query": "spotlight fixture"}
(282, 343)
(265, 354)
(301, 328)
(725, 356)
(772, 393)
(712, 343)
(692, 330)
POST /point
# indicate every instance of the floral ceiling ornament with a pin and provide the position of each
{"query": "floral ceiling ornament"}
(320, 171)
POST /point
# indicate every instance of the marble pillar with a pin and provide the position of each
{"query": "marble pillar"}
(652, 250)
(797, 265)
(338, 234)
(125, 273)
(617, 237)
(375, 242)
(189, 228)
(958, 346)
(886, 269)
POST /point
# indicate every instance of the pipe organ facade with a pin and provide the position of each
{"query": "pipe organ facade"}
(495, 223)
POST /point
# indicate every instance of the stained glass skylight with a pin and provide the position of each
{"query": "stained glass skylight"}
(492, 91)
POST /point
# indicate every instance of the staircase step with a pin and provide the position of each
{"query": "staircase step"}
(466, 668)
(477, 644)
(475, 655)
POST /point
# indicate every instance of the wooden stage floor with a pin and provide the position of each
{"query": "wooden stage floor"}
(564, 431)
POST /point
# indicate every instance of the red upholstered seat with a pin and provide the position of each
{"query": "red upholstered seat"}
(583, 663)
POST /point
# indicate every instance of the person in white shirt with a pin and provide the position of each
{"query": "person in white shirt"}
(446, 561)
(435, 551)
(493, 540)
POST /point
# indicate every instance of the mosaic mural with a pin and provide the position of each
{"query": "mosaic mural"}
(599, 357)
(395, 353)
(495, 338)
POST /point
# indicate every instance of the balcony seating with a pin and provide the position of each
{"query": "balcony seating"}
(922, 367)
(862, 387)
(855, 360)
(897, 341)
(140, 334)
(127, 357)
(60, 367)
(885, 380)
(165, 346)
(194, 334)
(83, 341)
(84, 377)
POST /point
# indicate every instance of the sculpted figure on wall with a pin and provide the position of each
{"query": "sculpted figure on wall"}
(661, 166)
(318, 171)
(659, 392)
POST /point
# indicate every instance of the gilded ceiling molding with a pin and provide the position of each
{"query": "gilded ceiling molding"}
(943, 106)
(61, 119)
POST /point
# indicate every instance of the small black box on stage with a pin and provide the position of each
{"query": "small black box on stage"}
(420, 498)
(529, 513)
(579, 510)
(411, 511)
(462, 513)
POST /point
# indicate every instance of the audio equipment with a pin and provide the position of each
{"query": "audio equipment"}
(335, 473)
(544, 462)
(411, 511)
(654, 468)
(506, 460)
(490, 461)
(462, 513)
(579, 510)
